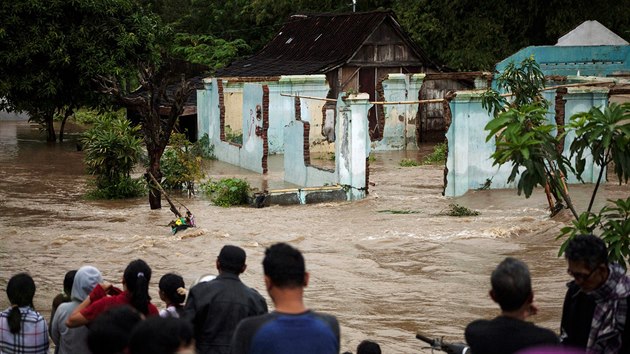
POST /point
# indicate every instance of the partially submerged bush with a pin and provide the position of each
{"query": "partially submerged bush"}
(458, 210)
(203, 148)
(408, 163)
(438, 155)
(227, 191)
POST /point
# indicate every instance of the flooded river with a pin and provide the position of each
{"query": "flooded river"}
(386, 266)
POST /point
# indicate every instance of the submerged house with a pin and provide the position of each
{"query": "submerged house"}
(355, 52)
(588, 67)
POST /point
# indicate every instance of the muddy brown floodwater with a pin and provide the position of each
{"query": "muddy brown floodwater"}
(384, 274)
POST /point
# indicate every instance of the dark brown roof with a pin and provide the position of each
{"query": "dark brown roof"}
(315, 44)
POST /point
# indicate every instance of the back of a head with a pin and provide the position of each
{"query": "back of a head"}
(169, 283)
(232, 259)
(511, 284)
(85, 280)
(68, 280)
(137, 276)
(110, 332)
(160, 335)
(284, 265)
(20, 291)
(589, 249)
(368, 347)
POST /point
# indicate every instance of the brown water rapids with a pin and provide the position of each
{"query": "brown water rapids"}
(386, 266)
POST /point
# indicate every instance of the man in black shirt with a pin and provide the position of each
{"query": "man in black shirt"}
(509, 332)
(217, 306)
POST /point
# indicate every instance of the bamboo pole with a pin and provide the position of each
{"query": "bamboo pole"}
(157, 184)
(309, 97)
(433, 100)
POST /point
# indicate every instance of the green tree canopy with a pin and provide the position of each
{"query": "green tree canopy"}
(50, 51)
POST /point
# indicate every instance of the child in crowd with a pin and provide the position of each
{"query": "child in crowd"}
(73, 340)
(173, 293)
(22, 329)
(64, 296)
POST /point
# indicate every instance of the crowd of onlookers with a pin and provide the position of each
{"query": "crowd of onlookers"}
(223, 315)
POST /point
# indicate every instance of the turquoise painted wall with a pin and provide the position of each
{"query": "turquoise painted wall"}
(399, 132)
(469, 164)
(567, 61)
(351, 129)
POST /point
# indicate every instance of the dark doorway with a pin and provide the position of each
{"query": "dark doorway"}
(367, 83)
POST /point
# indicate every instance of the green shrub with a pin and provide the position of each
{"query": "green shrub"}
(127, 187)
(112, 148)
(458, 210)
(179, 165)
(233, 136)
(408, 163)
(203, 148)
(87, 116)
(438, 155)
(227, 191)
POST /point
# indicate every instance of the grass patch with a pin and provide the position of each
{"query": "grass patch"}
(438, 155)
(458, 210)
(389, 211)
(408, 163)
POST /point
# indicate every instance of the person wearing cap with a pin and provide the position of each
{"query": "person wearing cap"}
(596, 308)
(216, 307)
(292, 327)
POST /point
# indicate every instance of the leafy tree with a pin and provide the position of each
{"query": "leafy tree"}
(112, 148)
(210, 51)
(51, 50)
(525, 139)
(180, 165)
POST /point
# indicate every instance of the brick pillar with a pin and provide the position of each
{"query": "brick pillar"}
(560, 115)
(265, 127)
(221, 110)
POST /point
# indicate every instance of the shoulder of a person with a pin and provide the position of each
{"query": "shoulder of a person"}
(477, 324)
(32, 315)
(64, 309)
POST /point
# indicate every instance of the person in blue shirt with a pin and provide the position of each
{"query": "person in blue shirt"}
(291, 328)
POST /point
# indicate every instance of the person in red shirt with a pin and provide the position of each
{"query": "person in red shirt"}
(105, 296)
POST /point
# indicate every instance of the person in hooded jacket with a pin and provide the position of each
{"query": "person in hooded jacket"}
(74, 340)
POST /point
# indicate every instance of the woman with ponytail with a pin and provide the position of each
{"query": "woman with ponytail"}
(22, 329)
(105, 296)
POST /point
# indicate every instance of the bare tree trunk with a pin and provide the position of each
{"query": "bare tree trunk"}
(155, 195)
(51, 136)
(67, 114)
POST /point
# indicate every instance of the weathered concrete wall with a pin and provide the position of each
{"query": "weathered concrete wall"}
(602, 60)
(297, 167)
(353, 144)
(581, 100)
(399, 131)
(259, 120)
(469, 164)
(283, 109)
